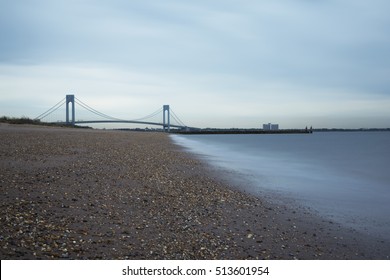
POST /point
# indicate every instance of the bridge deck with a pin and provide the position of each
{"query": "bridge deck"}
(125, 121)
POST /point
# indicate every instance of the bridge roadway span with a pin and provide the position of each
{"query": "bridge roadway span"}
(124, 121)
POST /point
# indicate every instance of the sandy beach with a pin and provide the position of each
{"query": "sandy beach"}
(99, 194)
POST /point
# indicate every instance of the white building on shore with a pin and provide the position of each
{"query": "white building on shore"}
(270, 126)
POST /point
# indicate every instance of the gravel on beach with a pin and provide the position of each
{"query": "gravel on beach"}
(101, 194)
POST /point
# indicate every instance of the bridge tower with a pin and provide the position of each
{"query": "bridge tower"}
(70, 99)
(166, 118)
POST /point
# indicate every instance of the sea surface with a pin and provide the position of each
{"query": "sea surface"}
(343, 176)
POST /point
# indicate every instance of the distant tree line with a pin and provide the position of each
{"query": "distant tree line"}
(21, 120)
(26, 120)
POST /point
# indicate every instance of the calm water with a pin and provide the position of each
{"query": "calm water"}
(344, 176)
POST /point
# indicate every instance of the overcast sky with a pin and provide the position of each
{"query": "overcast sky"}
(324, 63)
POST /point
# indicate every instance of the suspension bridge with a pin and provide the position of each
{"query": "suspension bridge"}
(169, 118)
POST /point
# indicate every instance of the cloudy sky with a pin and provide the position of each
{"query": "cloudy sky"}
(324, 63)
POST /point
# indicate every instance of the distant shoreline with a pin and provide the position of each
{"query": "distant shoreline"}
(26, 120)
(350, 129)
(279, 131)
(242, 131)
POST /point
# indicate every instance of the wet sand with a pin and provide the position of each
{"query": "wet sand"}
(96, 194)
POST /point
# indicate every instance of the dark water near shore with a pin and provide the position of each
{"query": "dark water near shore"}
(344, 176)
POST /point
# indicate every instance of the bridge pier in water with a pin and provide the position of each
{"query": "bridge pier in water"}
(70, 99)
(166, 118)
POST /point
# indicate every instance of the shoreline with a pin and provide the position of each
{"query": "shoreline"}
(93, 194)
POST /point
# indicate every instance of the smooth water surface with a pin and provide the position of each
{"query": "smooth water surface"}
(345, 176)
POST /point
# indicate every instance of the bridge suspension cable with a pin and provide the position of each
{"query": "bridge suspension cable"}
(92, 110)
(176, 118)
(150, 115)
(51, 110)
